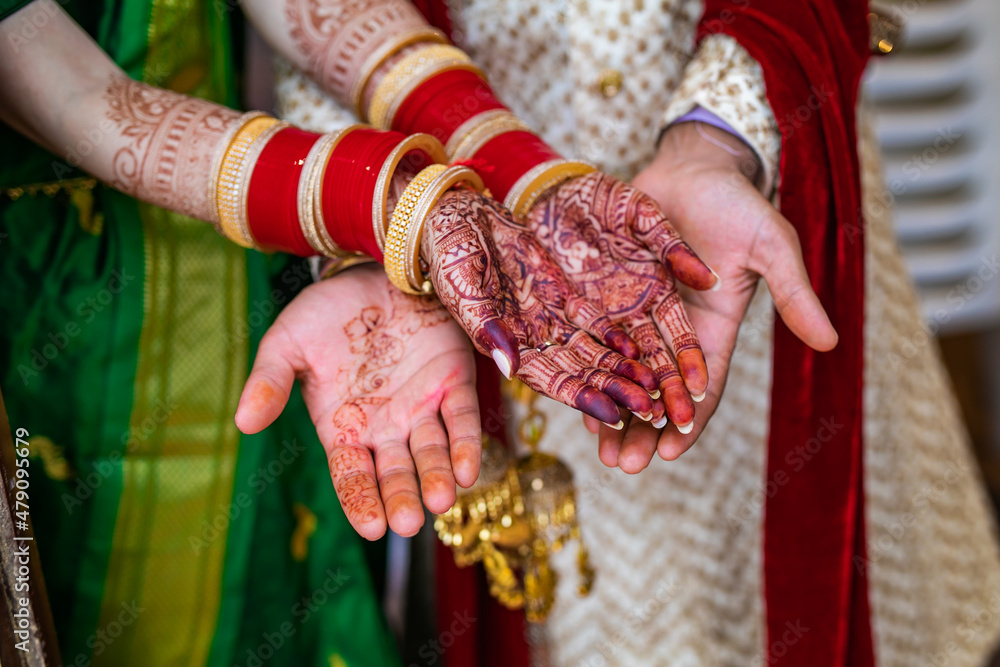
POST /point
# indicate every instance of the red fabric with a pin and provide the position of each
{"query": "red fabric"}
(497, 638)
(272, 212)
(813, 53)
(349, 187)
(436, 13)
(442, 103)
(509, 157)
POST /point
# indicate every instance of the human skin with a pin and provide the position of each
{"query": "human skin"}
(158, 146)
(389, 381)
(332, 39)
(709, 196)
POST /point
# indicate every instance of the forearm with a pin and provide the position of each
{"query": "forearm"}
(62, 91)
(340, 44)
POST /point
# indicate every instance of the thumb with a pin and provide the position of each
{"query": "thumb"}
(267, 389)
(777, 255)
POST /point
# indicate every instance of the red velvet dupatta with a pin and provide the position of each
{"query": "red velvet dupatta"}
(813, 53)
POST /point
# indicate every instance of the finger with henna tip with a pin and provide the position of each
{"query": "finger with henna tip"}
(353, 474)
(497, 339)
(688, 268)
(584, 314)
(680, 407)
(547, 378)
(628, 394)
(460, 412)
(397, 481)
(598, 356)
(429, 448)
(678, 332)
(656, 232)
(267, 389)
(655, 353)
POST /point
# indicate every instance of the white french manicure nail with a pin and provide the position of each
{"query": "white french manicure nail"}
(655, 394)
(700, 397)
(687, 428)
(718, 281)
(619, 426)
(646, 417)
(502, 362)
(660, 423)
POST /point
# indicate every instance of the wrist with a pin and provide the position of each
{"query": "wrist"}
(698, 145)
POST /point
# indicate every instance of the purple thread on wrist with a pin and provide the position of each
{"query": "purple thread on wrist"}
(703, 115)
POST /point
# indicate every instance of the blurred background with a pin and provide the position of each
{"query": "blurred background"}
(936, 99)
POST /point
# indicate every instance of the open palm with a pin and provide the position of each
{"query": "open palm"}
(389, 381)
(719, 212)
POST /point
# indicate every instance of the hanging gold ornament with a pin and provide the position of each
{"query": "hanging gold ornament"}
(515, 516)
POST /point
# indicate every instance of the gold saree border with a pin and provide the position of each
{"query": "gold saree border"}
(164, 578)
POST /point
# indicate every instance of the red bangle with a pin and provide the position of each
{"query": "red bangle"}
(349, 187)
(272, 210)
(508, 157)
(441, 104)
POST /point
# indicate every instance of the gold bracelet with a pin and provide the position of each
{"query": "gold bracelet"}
(411, 71)
(403, 217)
(417, 142)
(310, 194)
(226, 172)
(386, 50)
(540, 178)
(222, 148)
(441, 184)
(341, 262)
(476, 132)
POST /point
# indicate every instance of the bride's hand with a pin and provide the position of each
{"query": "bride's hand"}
(383, 374)
(516, 303)
(621, 252)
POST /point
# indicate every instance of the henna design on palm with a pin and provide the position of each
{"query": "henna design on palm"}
(391, 392)
(507, 291)
(617, 248)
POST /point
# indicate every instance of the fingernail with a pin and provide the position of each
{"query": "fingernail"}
(655, 394)
(700, 397)
(718, 281)
(646, 417)
(502, 362)
(687, 428)
(619, 426)
(660, 423)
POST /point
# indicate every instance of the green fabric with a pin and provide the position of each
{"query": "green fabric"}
(72, 313)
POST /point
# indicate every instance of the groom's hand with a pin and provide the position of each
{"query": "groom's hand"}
(707, 193)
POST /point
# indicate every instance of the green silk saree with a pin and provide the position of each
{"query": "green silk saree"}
(166, 536)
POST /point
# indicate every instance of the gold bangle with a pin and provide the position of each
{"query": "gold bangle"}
(441, 184)
(416, 142)
(385, 51)
(341, 262)
(403, 217)
(233, 176)
(310, 194)
(540, 178)
(412, 70)
(476, 132)
(222, 148)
